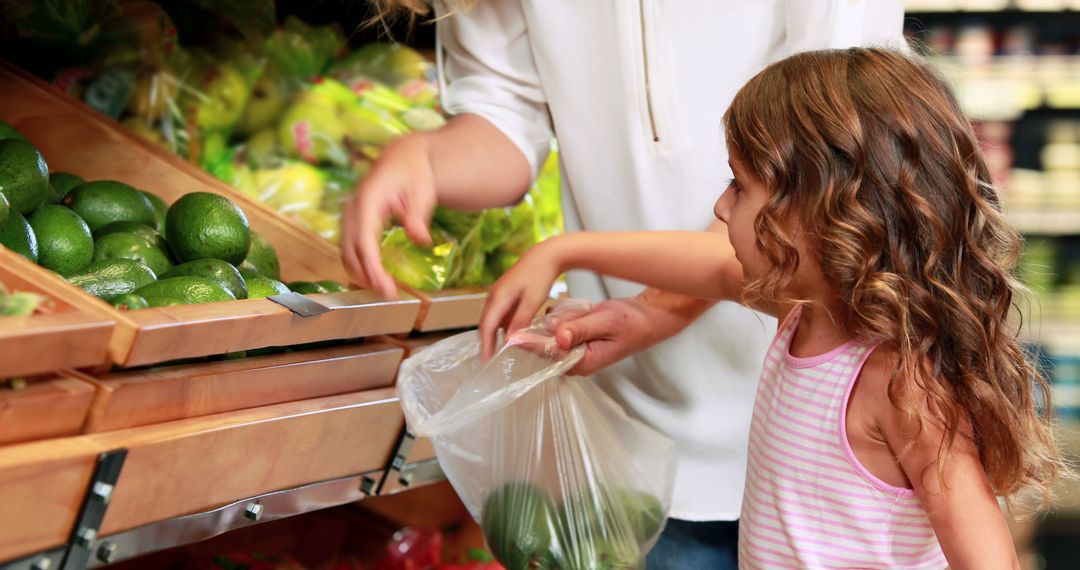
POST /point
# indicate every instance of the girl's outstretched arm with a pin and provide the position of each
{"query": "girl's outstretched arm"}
(697, 264)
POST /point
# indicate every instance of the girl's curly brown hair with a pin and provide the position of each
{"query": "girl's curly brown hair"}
(869, 148)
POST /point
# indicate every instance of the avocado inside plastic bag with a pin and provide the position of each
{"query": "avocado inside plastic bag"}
(555, 472)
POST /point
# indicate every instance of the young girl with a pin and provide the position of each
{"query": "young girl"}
(896, 403)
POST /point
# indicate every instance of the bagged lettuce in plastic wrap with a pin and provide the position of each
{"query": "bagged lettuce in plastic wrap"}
(470, 267)
(393, 64)
(428, 268)
(301, 51)
(555, 472)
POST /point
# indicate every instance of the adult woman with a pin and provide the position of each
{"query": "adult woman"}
(634, 92)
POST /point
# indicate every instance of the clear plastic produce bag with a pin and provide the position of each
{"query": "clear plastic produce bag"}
(555, 472)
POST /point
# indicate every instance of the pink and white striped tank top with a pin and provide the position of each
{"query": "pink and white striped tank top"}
(809, 503)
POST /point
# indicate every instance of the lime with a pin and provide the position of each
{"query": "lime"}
(24, 176)
(103, 202)
(64, 242)
(262, 258)
(215, 270)
(126, 245)
(17, 235)
(182, 291)
(112, 278)
(259, 286)
(202, 225)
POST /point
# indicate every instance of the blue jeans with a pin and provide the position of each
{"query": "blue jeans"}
(687, 545)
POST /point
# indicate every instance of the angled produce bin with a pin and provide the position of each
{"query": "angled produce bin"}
(181, 481)
(75, 139)
(145, 397)
(54, 404)
(62, 333)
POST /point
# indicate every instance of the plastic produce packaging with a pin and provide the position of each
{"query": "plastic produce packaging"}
(555, 472)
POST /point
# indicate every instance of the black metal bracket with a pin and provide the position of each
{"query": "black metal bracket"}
(92, 512)
(299, 304)
(398, 459)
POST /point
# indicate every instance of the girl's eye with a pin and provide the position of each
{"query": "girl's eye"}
(733, 186)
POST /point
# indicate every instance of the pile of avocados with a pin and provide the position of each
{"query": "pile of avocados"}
(128, 246)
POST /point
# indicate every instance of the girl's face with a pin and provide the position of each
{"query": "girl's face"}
(738, 207)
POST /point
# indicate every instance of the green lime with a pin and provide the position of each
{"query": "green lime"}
(130, 302)
(17, 235)
(262, 258)
(24, 176)
(5, 208)
(306, 287)
(103, 202)
(147, 233)
(183, 291)
(517, 520)
(215, 270)
(132, 246)
(62, 182)
(161, 208)
(64, 242)
(259, 286)
(112, 278)
(202, 225)
(329, 286)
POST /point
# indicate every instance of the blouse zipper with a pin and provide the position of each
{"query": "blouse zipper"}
(648, 83)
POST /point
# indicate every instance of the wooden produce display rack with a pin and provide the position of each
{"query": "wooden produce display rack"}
(105, 464)
(183, 481)
(61, 334)
(441, 310)
(449, 309)
(50, 405)
(75, 139)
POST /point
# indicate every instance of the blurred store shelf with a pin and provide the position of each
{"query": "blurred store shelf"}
(1045, 222)
(976, 6)
(1061, 333)
(1002, 88)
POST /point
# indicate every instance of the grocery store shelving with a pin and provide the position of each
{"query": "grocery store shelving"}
(989, 6)
(1045, 221)
(1002, 88)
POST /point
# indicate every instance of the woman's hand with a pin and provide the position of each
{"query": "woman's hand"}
(618, 328)
(401, 185)
(519, 294)
(469, 164)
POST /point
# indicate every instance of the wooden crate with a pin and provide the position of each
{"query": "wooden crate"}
(59, 335)
(50, 405)
(75, 139)
(144, 397)
(191, 466)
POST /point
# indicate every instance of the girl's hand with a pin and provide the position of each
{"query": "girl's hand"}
(520, 293)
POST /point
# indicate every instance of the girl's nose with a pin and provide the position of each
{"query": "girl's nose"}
(722, 209)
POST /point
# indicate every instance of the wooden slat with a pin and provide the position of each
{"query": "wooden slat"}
(450, 309)
(55, 405)
(415, 342)
(59, 336)
(191, 466)
(144, 397)
(184, 331)
(74, 138)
